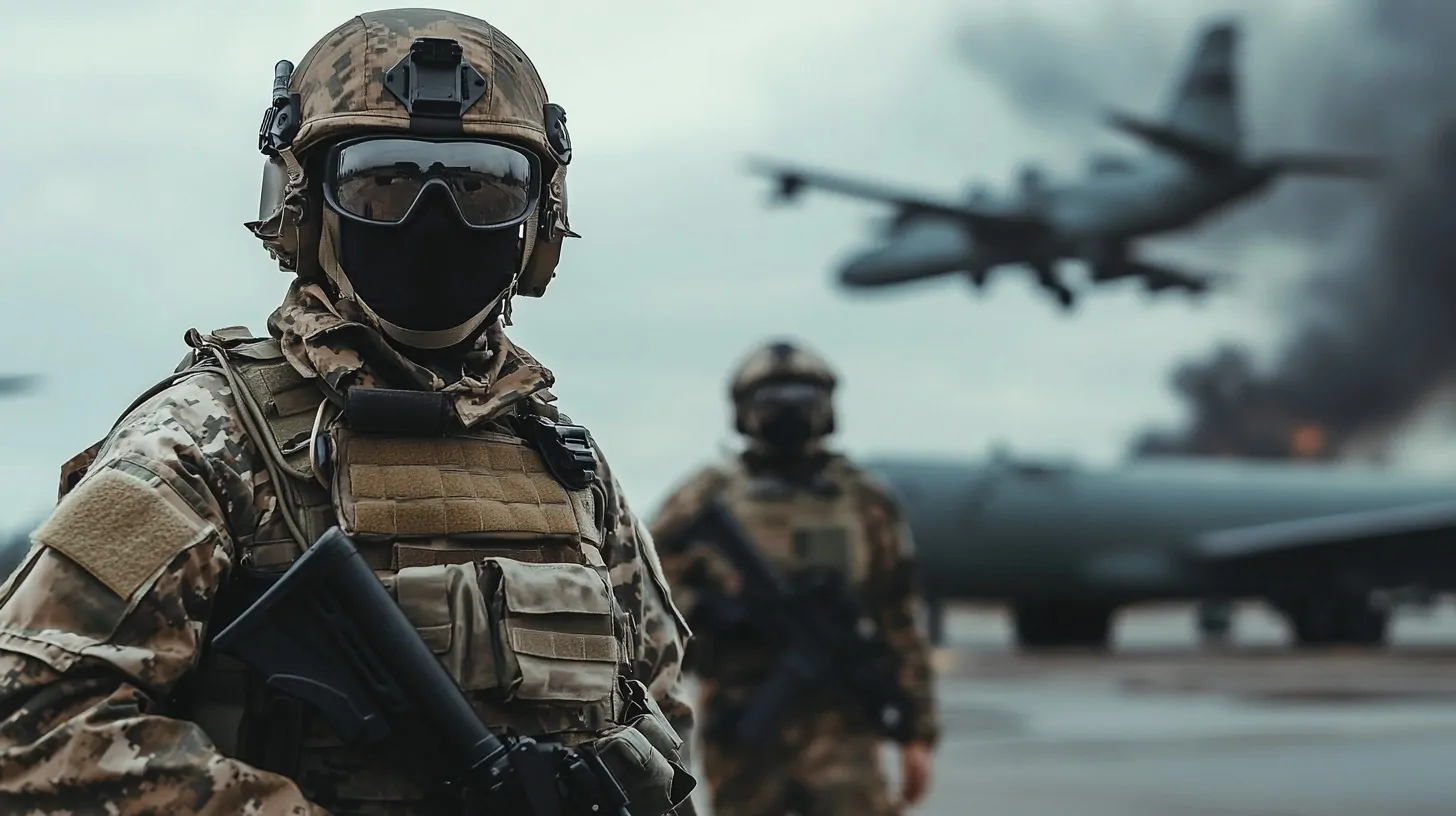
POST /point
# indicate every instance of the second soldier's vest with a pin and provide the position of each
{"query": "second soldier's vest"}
(540, 653)
(798, 527)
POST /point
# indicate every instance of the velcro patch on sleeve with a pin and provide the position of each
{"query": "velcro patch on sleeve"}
(120, 529)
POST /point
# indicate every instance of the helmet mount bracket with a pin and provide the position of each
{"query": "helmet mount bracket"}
(283, 116)
(436, 85)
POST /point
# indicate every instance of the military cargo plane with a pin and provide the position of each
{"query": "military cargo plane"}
(1196, 168)
(15, 384)
(13, 551)
(1066, 546)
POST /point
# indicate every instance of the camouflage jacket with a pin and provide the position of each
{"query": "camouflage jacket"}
(110, 609)
(890, 592)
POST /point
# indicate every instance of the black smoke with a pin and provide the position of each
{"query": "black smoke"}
(1372, 323)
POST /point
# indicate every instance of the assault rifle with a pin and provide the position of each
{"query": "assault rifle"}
(821, 629)
(329, 633)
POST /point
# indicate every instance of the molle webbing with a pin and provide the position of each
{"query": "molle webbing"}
(289, 403)
(795, 528)
(434, 552)
(483, 485)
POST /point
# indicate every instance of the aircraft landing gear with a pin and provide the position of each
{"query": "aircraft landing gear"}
(1050, 626)
(1336, 619)
(1215, 620)
(935, 621)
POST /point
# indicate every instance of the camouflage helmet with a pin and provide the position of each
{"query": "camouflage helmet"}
(777, 362)
(362, 77)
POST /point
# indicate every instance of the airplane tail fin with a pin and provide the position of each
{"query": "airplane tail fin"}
(1205, 105)
(1203, 124)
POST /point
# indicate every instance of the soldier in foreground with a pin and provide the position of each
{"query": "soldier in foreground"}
(794, 682)
(414, 185)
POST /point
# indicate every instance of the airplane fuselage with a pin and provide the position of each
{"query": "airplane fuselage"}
(1007, 532)
(1154, 195)
(1091, 220)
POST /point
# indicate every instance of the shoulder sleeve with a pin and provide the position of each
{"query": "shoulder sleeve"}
(684, 503)
(642, 589)
(108, 612)
(893, 593)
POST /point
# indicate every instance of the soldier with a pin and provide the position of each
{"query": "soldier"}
(414, 185)
(803, 506)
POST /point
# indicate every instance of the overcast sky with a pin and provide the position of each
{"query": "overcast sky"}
(128, 146)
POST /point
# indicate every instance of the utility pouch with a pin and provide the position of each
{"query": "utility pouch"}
(555, 636)
(639, 767)
(447, 608)
(645, 716)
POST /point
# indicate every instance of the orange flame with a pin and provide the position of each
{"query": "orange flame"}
(1307, 441)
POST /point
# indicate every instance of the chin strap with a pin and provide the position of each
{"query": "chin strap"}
(529, 237)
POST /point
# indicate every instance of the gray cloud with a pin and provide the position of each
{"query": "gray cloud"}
(1368, 320)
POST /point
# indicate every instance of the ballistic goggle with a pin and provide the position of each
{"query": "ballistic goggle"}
(787, 393)
(382, 180)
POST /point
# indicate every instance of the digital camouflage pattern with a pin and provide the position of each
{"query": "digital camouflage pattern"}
(778, 361)
(341, 86)
(827, 760)
(823, 765)
(328, 340)
(341, 79)
(89, 652)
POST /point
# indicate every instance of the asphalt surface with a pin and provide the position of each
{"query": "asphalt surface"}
(1167, 727)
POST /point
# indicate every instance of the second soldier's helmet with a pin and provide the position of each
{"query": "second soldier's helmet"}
(783, 396)
(414, 159)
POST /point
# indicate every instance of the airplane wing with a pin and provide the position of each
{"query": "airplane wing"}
(991, 224)
(1415, 543)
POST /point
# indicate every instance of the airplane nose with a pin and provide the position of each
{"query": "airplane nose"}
(918, 251)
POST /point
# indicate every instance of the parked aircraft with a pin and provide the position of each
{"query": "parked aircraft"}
(1066, 546)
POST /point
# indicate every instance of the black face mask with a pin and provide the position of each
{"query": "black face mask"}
(787, 414)
(430, 273)
(786, 428)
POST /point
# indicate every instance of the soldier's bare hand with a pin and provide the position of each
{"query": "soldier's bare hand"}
(914, 772)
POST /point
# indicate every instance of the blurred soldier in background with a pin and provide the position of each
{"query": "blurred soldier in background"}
(415, 183)
(807, 511)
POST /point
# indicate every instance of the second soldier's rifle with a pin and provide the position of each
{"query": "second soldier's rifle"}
(329, 633)
(824, 647)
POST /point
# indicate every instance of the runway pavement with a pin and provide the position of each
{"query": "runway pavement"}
(1165, 727)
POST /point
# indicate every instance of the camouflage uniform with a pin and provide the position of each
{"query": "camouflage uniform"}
(111, 700)
(827, 758)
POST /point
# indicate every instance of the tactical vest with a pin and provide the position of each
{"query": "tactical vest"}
(542, 655)
(797, 528)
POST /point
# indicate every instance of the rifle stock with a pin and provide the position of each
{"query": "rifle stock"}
(329, 633)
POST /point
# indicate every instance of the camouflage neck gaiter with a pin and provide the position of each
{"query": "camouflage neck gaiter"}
(332, 340)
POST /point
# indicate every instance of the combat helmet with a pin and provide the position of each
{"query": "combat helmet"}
(417, 73)
(781, 374)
